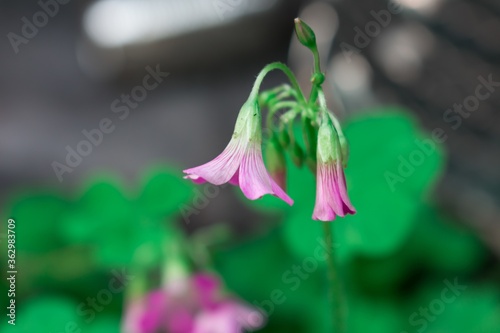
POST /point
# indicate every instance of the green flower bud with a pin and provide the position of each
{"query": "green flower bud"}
(297, 154)
(284, 138)
(276, 162)
(305, 34)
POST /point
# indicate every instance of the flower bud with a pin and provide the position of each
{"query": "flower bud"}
(284, 138)
(297, 154)
(276, 162)
(305, 34)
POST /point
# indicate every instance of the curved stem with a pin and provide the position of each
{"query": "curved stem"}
(335, 291)
(285, 69)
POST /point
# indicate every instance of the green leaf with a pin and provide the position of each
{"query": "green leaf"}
(453, 309)
(38, 218)
(374, 315)
(386, 210)
(106, 324)
(45, 315)
(163, 192)
(461, 253)
(111, 223)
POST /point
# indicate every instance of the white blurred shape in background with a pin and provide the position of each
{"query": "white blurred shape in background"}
(424, 7)
(401, 51)
(117, 23)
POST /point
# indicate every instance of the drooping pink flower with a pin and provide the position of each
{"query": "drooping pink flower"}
(331, 189)
(241, 162)
(197, 308)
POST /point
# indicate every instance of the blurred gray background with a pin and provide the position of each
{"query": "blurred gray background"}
(62, 70)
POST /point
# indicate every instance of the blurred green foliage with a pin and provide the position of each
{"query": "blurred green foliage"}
(395, 254)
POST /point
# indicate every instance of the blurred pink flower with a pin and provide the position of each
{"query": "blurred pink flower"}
(228, 317)
(198, 308)
(241, 162)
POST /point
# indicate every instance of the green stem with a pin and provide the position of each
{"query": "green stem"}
(285, 69)
(317, 70)
(317, 62)
(335, 290)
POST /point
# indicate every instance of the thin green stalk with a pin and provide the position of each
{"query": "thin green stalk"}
(317, 71)
(335, 289)
(285, 69)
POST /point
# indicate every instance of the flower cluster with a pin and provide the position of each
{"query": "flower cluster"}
(323, 148)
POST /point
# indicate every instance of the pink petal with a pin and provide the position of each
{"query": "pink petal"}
(235, 179)
(278, 192)
(179, 320)
(249, 318)
(134, 313)
(196, 179)
(254, 180)
(222, 168)
(280, 178)
(206, 286)
(228, 317)
(331, 193)
(347, 205)
(156, 304)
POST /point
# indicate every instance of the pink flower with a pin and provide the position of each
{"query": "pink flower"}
(158, 312)
(241, 161)
(200, 307)
(331, 189)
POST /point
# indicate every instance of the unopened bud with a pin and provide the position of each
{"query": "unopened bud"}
(276, 162)
(305, 34)
(284, 138)
(297, 154)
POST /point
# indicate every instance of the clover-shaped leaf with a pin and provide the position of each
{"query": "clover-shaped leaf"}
(114, 224)
(392, 168)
